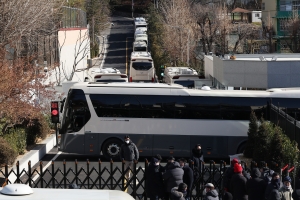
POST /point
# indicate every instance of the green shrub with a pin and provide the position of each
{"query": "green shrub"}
(38, 128)
(252, 134)
(16, 137)
(7, 154)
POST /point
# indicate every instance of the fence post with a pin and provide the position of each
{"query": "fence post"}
(53, 174)
(18, 172)
(41, 172)
(76, 172)
(99, 175)
(145, 177)
(29, 174)
(88, 173)
(6, 173)
(110, 175)
(134, 178)
(65, 174)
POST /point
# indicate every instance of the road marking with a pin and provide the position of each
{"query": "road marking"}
(46, 166)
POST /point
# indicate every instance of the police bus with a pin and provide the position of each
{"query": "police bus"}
(24, 192)
(163, 119)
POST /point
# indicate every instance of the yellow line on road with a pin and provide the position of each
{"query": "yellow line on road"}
(126, 56)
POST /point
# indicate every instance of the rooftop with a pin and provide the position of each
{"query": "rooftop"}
(266, 57)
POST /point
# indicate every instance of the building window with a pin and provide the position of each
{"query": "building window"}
(296, 5)
(263, 6)
(289, 5)
(283, 24)
(257, 15)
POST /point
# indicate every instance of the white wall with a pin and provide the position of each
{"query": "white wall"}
(74, 46)
(256, 18)
(208, 66)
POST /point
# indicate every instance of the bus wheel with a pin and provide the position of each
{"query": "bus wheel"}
(111, 149)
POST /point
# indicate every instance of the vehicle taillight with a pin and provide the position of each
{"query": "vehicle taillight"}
(130, 79)
(152, 80)
(175, 77)
(97, 76)
(132, 59)
(150, 60)
(123, 76)
(201, 77)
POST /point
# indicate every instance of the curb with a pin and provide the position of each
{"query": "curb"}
(34, 156)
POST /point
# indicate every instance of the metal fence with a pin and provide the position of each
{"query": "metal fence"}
(110, 177)
(73, 18)
(289, 125)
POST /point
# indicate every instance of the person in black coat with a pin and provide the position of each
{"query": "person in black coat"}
(256, 186)
(197, 158)
(172, 177)
(273, 186)
(154, 180)
(188, 177)
(296, 192)
(228, 175)
(238, 184)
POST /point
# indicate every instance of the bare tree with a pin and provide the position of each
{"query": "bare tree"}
(178, 29)
(213, 26)
(20, 18)
(292, 32)
(268, 28)
(243, 32)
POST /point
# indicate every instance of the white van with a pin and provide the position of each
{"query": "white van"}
(184, 76)
(140, 46)
(141, 67)
(109, 75)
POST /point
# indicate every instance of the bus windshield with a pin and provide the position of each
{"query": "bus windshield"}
(186, 83)
(140, 48)
(143, 66)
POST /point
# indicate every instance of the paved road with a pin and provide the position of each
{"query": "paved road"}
(119, 42)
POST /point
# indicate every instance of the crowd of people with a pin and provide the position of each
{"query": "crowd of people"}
(175, 180)
(260, 184)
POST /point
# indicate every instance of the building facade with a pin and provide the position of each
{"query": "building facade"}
(277, 13)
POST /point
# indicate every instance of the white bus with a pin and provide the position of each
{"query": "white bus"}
(109, 75)
(184, 76)
(24, 192)
(140, 46)
(163, 119)
(140, 24)
(141, 67)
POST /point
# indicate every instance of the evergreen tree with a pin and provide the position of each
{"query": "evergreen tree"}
(252, 134)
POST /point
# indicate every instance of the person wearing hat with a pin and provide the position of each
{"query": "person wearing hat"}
(179, 193)
(154, 179)
(73, 186)
(256, 186)
(170, 160)
(238, 184)
(209, 193)
(129, 152)
(273, 187)
(286, 190)
(172, 177)
(228, 175)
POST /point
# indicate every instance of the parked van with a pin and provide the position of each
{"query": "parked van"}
(184, 76)
(109, 75)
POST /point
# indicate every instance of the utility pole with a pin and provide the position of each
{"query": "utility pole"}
(132, 4)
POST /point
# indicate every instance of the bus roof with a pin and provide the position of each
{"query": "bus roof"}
(175, 89)
(139, 44)
(74, 194)
(140, 55)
